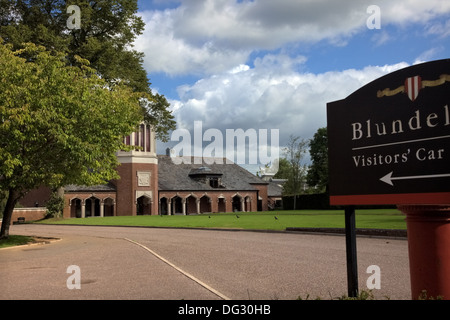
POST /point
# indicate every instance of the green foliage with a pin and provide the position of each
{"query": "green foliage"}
(367, 219)
(55, 206)
(424, 296)
(3, 195)
(108, 31)
(362, 295)
(317, 176)
(15, 241)
(295, 154)
(296, 169)
(59, 124)
(284, 169)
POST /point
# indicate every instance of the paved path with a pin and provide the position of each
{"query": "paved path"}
(149, 263)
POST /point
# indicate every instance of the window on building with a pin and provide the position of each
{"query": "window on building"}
(214, 182)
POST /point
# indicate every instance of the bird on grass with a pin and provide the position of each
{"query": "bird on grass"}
(276, 218)
(237, 216)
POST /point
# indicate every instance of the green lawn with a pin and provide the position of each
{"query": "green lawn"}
(370, 219)
(14, 240)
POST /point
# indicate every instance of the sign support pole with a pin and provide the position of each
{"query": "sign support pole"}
(350, 240)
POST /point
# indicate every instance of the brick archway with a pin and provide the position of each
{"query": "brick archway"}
(108, 207)
(75, 207)
(164, 206)
(205, 204)
(177, 205)
(143, 206)
(237, 203)
(191, 205)
(92, 207)
(221, 204)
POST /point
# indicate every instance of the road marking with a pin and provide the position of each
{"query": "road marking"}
(217, 293)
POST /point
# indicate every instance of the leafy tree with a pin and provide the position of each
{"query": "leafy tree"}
(317, 176)
(59, 124)
(105, 39)
(55, 205)
(295, 152)
(284, 169)
(3, 196)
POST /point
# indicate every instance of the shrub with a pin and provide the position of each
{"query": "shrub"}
(55, 206)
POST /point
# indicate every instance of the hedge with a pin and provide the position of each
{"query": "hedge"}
(319, 201)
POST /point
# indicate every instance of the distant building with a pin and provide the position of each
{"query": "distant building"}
(150, 185)
(200, 188)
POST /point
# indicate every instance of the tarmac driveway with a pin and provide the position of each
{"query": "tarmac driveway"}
(167, 264)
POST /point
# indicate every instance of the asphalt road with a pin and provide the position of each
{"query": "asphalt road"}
(167, 264)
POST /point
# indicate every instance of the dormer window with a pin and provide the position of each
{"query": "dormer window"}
(207, 176)
(214, 182)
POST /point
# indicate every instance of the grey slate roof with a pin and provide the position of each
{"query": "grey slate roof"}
(274, 189)
(181, 177)
(109, 187)
(173, 176)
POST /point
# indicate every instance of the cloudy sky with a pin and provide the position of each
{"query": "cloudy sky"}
(265, 64)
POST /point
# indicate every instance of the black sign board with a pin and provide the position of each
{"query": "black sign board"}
(389, 142)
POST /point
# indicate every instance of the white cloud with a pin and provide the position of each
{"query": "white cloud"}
(165, 52)
(269, 97)
(440, 29)
(266, 24)
(266, 97)
(214, 39)
(427, 55)
(413, 11)
(211, 36)
(381, 38)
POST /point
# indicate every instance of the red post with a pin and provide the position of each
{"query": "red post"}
(429, 249)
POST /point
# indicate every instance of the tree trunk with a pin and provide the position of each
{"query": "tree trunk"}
(13, 197)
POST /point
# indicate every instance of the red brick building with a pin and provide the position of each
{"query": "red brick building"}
(133, 194)
(194, 188)
(150, 185)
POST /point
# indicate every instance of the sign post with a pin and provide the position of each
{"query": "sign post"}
(352, 265)
(389, 143)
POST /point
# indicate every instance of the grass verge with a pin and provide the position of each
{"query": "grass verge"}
(14, 240)
(270, 220)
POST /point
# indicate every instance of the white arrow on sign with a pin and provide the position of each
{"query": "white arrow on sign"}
(388, 178)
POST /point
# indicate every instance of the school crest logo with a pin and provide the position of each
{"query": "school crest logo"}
(413, 86)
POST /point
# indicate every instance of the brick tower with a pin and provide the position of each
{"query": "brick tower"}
(137, 188)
